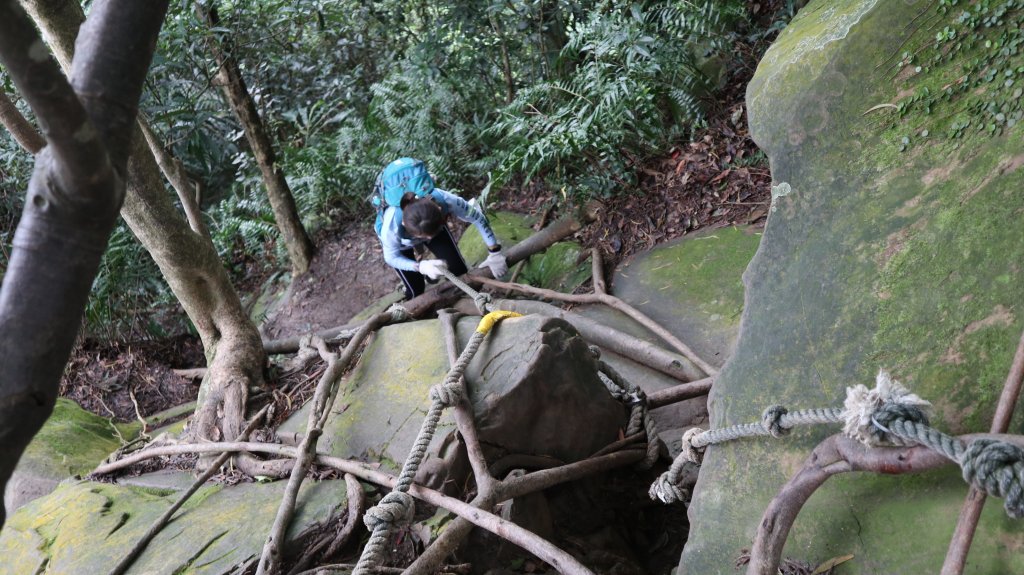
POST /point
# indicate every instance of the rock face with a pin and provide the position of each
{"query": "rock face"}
(88, 527)
(693, 287)
(535, 390)
(72, 442)
(381, 403)
(894, 242)
(533, 385)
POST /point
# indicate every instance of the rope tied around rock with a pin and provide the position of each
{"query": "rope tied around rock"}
(887, 415)
(397, 507)
(634, 398)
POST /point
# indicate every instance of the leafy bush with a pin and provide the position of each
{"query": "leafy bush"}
(636, 86)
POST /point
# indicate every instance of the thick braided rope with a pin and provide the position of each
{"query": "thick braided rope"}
(776, 422)
(482, 300)
(668, 487)
(886, 415)
(397, 507)
(991, 466)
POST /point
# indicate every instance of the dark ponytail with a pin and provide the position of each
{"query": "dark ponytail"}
(421, 216)
(407, 198)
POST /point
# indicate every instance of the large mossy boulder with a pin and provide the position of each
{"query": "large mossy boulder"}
(71, 442)
(380, 405)
(89, 527)
(894, 242)
(694, 287)
(533, 386)
(535, 390)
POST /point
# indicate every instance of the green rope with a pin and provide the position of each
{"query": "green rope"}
(886, 415)
(639, 416)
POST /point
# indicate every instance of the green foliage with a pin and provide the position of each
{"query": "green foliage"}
(963, 71)
(635, 87)
(572, 94)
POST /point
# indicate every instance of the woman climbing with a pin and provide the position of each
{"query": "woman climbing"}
(411, 212)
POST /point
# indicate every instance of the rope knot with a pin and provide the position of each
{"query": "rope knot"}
(448, 394)
(395, 508)
(868, 414)
(997, 468)
(482, 301)
(664, 490)
(771, 420)
(398, 312)
(594, 351)
(690, 452)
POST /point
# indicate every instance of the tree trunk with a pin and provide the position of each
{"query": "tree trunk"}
(229, 76)
(187, 260)
(73, 198)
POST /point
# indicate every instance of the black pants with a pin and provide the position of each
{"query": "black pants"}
(441, 245)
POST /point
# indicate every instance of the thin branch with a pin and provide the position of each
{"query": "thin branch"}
(672, 364)
(680, 392)
(323, 399)
(615, 303)
(23, 131)
(174, 170)
(463, 412)
(159, 524)
(516, 487)
(356, 507)
(970, 513)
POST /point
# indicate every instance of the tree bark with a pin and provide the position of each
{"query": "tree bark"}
(229, 76)
(187, 260)
(76, 189)
(23, 131)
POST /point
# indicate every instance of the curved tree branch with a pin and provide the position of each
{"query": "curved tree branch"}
(836, 454)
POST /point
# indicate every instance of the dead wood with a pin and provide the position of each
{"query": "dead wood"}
(970, 513)
(836, 454)
(642, 352)
(679, 393)
(353, 518)
(614, 303)
(446, 294)
(516, 487)
(323, 399)
(159, 524)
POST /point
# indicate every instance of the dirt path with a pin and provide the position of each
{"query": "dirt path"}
(348, 273)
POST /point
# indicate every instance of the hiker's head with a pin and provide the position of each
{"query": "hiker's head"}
(421, 217)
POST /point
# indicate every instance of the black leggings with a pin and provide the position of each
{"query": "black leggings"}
(441, 245)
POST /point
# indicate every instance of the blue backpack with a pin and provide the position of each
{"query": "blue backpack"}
(401, 176)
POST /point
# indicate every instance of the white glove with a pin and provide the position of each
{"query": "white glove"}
(496, 261)
(433, 269)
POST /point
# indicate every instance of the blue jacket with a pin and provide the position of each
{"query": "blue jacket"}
(394, 239)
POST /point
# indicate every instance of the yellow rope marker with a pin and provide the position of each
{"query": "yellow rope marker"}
(493, 318)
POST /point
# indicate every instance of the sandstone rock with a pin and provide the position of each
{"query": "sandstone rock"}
(872, 258)
(88, 527)
(71, 442)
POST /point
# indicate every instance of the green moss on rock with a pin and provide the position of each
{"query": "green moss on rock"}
(879, 257)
